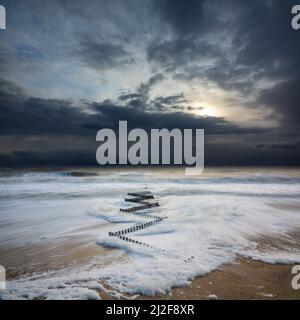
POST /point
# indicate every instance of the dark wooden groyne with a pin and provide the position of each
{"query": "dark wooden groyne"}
(142, 207)
(139, 243)
(139, 197)
(137, 227)
(143, 199)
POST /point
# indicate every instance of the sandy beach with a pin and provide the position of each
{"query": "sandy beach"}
(234, 233)
(242, 280)
(246, 279)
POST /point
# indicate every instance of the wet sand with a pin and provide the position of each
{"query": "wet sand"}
(51, 256)
(246, 279)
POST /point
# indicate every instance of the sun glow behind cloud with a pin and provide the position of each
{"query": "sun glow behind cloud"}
(208, 111)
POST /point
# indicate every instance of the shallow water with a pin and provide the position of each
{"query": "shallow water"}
(54, 227)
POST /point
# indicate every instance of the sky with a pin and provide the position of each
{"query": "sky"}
(69, 68)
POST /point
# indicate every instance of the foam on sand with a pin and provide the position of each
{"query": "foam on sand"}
(213, 220)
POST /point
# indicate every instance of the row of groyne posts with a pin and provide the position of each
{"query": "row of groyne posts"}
(145, 201)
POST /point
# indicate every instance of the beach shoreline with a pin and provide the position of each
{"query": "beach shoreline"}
(245, 279)
(55, 235)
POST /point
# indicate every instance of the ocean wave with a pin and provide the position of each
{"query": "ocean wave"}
(212, 219)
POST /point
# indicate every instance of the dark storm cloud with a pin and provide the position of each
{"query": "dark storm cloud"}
(140, 98)
(103, 55)
(8, 89)
(129, 96)
(21, 114)
(182, 54)
(248, 47)
(183, 16)
(166, 102)
(171, 100)
(144, 88)
(140, 119)
(240, 44)
(58, 120)
(194, 108)
(271, 49)
(23, 117)
(285, 99)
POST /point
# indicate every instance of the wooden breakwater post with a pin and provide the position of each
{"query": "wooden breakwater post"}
(142, 207)
(143, 199)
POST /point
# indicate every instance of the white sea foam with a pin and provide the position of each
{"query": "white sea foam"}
(212, 219)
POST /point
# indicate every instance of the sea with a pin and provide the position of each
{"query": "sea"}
(55, 224)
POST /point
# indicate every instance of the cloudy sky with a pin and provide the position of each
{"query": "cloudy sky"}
(69, 68)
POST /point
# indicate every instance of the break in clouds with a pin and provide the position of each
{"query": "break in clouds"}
(229, 67)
